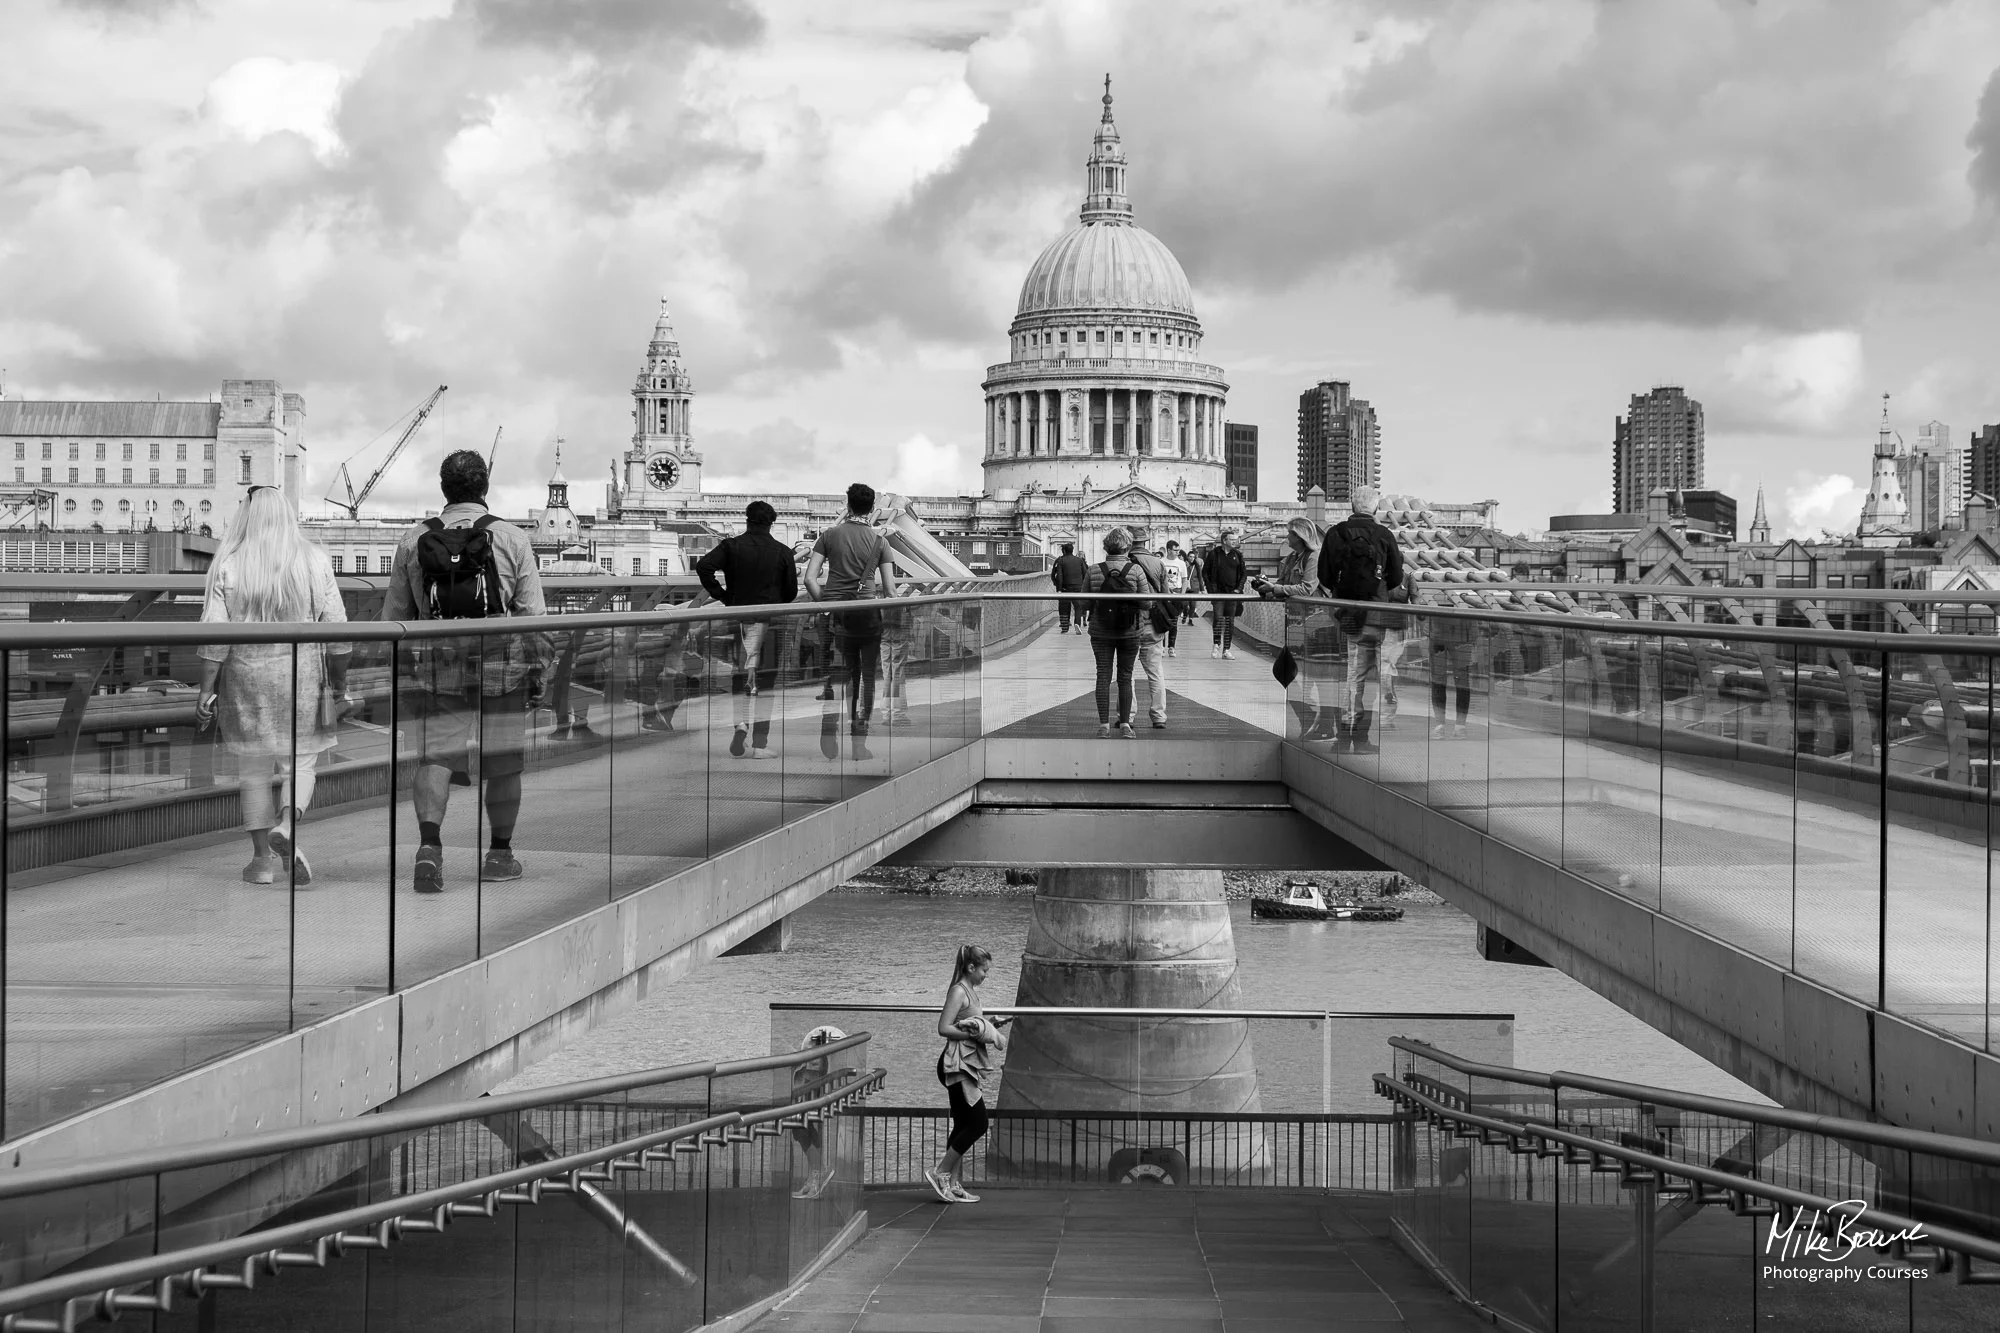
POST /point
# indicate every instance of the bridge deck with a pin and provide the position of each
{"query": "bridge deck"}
(1113, 1260)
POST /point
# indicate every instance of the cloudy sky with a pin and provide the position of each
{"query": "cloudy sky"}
(1498, 218)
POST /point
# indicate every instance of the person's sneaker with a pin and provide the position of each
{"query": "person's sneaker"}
(429, 874)
(1215, 651)
(939, 1185)
(1159, 724)
(960, 1194)
(285, 850)
(1437, 732)
(762, 752)
(650, 720)
(500, 864)
(738, 742)
(810, 1189)
(1125, 732)
(1229, 654)
(1458, 731)
(1362, 745)
(1103, 730)
(262, 870)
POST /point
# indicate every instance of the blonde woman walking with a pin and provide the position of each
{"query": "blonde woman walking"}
(970, 1039)
(266, 571)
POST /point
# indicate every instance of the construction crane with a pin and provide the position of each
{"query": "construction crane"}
(355, 499)
(494, 452)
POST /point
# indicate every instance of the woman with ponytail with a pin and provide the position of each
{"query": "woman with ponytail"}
(266, 697)
(969, 1039)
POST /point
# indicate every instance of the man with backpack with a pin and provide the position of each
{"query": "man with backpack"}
(1360, 562)
(468, 698)
(1124, 633)
(752, 568)
(1067, 573)
(851, 562)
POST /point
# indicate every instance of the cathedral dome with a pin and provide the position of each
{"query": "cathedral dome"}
(1098, 266)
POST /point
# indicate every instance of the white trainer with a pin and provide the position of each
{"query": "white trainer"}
(940, 1186)
(1437, 732)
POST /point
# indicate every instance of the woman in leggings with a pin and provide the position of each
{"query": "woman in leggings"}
(969, 1040)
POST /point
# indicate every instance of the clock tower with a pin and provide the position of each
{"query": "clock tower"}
(662, 464)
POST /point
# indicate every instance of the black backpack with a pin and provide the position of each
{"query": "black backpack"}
(461, 578)
(1119, 619)
(1350, 563)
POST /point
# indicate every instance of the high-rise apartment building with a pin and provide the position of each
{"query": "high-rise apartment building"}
(1340, 443)
(1657, 445)
(1934, 478)
(1982, 464)
(1239, 442)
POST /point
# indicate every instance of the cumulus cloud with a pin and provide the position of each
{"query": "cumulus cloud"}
(1813, 504)
(1804, 382)
(263, 95)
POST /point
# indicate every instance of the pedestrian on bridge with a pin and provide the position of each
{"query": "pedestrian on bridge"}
(1361, 562)
(1125, 634)
(1320, 699)
(1068, 574)
(752, 568)
(272, 720)
(852, 562)
(1224, 572)
(970, 1042)
(468, 697)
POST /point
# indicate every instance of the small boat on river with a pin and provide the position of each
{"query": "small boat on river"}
(1304, 902)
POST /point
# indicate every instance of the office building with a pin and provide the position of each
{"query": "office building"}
(1657, 445)
(1340, 443)
(1240, 442)
(1982, 464)
(1933, 477)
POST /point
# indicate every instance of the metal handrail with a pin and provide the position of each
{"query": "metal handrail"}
(1973, 645)
(1106, 1011)
(426, 1212)
(1705, 1184)
(46, 1179)
(1923, 1141)
(1728, 592)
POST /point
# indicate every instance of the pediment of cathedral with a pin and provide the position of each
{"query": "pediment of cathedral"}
(1136, 500)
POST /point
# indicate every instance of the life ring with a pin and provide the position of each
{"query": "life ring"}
(1148, 1166)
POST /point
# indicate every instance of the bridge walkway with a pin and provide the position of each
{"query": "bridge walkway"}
(1124, 1261)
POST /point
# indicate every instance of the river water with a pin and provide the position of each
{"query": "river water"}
(896, 948)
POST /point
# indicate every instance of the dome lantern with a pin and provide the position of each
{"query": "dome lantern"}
(1105, 199)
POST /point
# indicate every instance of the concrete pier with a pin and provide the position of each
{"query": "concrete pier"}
(1138, 939)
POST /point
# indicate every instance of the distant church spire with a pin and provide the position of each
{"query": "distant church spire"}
(1760, 526)
(1104, 197)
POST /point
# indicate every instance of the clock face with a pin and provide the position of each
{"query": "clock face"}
(663, 470)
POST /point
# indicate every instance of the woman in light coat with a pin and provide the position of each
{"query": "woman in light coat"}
(266, 571)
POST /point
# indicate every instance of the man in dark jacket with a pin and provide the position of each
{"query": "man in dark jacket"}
(752, 568)
(1068, 574)
(1360, 561)
(1224, 571)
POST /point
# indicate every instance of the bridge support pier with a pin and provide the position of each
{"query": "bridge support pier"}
(1138, 939)
(774, 938)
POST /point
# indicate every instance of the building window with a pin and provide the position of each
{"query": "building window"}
(152, 476)
(1154, 339)
(73, 473)
(208, 452)
(100, 451)
(181, 452)
(20, 448)
(128, 451)
(48, 474)
(48, 450)
(638, 566)
(69, 506)
(244, 474)
(75, 452)
(1100, 335)
(979, 548)
(180, 476)
(606, 563)
(97, 506)
(1065, 335)
(338, 560)
(125, 475)
(663, 567)
(153, 452)
(1836, 581)
(208, 476)
(206, 506)
(20, 474)
(100, 476)
(124, 506)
